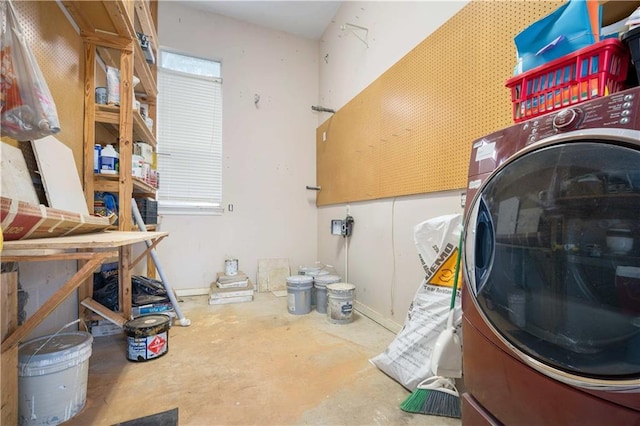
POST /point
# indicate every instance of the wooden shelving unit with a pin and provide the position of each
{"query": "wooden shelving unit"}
(108, 28)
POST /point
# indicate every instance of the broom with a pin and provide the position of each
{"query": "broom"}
(438, 395)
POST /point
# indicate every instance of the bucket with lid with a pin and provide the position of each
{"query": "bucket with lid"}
(312, 271)
(299, 294)
(320, 287)
(147, 337)
(52, 377)
(340, 302)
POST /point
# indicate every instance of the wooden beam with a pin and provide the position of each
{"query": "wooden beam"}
(9, 363)
(58, 256)
(53, 302)
(125, 143)
(124, 278)
(117, 10)
(146, 252)
(104, 312)
(107, 40)
(89, 122)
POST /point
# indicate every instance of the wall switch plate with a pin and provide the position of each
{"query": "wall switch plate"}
(336, 227)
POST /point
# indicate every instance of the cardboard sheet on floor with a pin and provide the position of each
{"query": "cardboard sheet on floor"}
(166, 418)
(272, 275)
(15, 178)
(59, 175)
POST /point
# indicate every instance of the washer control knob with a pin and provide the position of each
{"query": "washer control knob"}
(567, 119)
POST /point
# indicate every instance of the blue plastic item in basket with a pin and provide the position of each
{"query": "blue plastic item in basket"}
(562, 32)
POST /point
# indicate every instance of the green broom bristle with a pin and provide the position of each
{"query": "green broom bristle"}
(415, 401)
(432, 402)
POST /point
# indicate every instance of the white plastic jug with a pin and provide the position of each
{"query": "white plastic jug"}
(108, 160)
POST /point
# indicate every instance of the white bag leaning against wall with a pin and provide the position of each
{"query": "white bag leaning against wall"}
(408, 357)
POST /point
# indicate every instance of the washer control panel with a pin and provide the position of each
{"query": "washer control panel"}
(620, 110)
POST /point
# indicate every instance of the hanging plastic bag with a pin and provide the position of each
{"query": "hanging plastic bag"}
(573, 26)
(27, 110)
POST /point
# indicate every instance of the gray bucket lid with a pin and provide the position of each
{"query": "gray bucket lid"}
(49, 354)
(299, 279)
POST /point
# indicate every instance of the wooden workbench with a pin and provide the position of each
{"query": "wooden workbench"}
(90, 250)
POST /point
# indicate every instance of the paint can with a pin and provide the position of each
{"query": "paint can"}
(52, 377)
(147, 337)
(320, 287)
(101, 95)
(299, 294)
(231, 267)
(340, 302)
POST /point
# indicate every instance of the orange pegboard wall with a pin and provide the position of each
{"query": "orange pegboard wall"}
(58, 51)
(410, 131)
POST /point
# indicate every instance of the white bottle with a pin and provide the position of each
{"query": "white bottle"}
(108, 160)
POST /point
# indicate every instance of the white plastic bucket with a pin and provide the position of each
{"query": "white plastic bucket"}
(340, 302)
(320, 287)
(52, 377)
(299, 294)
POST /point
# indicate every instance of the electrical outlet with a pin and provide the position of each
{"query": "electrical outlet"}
(230, 207)
(336, 227)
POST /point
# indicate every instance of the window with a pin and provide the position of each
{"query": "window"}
(189, 135)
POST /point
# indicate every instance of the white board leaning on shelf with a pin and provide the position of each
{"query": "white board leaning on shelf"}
(59, 175)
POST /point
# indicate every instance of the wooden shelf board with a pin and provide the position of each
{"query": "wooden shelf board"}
(108, 17)
(110, 114)
(614, 11)
(141, 132)
(109, 183)
(143, 71)
(107, 239)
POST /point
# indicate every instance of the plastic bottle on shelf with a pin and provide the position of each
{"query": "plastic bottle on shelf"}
(109, 160)
(96, 158)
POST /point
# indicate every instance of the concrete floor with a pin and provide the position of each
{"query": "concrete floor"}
(252, 364)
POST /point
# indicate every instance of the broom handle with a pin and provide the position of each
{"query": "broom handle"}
(138, 217)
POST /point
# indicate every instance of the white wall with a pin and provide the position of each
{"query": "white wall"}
(268, 151)
(382, 259)
(269, 158)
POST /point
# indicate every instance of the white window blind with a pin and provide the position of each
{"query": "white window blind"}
(189, 143)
